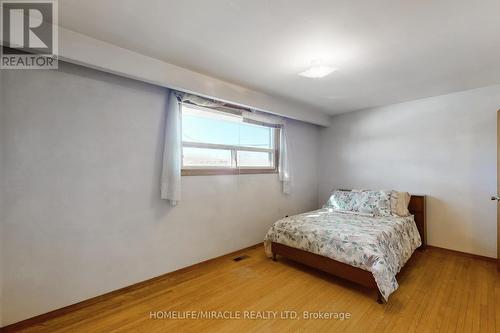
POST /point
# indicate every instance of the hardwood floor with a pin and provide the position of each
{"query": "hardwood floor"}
(439, 292)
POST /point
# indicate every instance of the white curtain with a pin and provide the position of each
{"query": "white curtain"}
(172, 151)
(284, 166)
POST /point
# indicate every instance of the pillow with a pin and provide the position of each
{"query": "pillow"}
(341, 200)
(362, 201)
(399, 203)
(374, 202)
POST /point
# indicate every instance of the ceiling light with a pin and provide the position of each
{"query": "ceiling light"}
(317, 70)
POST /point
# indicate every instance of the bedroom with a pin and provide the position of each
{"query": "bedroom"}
(140, 177)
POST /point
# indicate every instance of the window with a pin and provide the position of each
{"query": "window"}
(216, 142)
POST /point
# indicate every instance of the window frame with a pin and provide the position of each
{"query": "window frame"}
(209, 171)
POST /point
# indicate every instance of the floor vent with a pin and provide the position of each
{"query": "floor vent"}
(240, 258)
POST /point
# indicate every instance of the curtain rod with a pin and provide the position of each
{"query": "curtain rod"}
(182, 95)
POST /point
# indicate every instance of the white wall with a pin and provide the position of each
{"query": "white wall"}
(82, 211)
(444, 147)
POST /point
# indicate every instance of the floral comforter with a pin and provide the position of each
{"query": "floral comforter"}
(379, 244)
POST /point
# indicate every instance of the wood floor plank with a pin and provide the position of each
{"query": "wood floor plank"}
(439, 292)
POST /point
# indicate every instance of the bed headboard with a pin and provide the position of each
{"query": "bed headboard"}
(417, 209)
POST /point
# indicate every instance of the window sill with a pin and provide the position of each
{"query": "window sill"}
(216, 172)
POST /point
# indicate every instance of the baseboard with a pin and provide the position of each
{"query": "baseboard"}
(470, 255)
(77, 306)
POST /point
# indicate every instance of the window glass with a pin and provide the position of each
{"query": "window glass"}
(205, 157)
(219, 128)
(209, 127)
(213, 140)
(255, 159)
(256, 136)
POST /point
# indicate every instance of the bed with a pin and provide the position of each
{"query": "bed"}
(362, 248)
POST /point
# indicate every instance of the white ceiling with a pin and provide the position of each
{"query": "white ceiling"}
(386, 51)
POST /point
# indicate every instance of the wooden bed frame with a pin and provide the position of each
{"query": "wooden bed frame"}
(351, 273)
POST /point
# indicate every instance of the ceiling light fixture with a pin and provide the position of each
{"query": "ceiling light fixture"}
(317, 70)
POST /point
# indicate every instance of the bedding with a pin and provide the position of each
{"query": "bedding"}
(378, 244)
